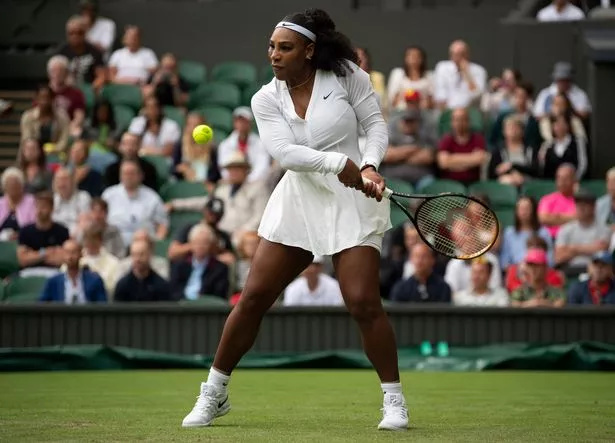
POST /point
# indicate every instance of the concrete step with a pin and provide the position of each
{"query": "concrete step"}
(9, 151)
(10, 138)
(8, 128)
(17, 95)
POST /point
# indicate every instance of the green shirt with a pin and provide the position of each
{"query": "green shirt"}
(525, 293)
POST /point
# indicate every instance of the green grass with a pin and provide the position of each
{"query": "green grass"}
(310, 406)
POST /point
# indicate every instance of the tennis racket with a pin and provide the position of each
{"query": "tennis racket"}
(454, 225)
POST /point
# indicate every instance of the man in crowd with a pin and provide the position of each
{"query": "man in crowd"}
(536, 291)
(97, 218)
(167, 85)
(74, 285)
(98, 259)
(313, 288)
(560, 11)
(558, 208)
(479, 293)
(129, 150)
(160, 265)
(563, 83)
(605, 206)
(101, 30)
(600, 288)
(67, 97)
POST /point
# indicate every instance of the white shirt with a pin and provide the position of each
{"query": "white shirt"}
(106, 265)
(457, 274)
(568, 13)
(451, 88)
(578, 98)
(327, 293)
(66, 212)
(102, 33)
(309, 207)
(74, 293)
(494, 297)
(257, 155)
(133, 64)
(169, 132)
(398, 82)
(143, 211)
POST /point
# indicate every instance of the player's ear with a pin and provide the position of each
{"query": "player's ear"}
(309, 51)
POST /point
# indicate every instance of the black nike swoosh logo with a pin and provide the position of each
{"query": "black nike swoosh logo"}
(222, 403)
(327, 96)
(284, 25)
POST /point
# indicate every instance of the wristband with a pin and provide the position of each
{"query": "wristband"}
(364, 167)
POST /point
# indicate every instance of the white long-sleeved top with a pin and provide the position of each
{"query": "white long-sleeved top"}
(310, 208)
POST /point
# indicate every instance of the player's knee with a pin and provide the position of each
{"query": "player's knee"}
(364, 309)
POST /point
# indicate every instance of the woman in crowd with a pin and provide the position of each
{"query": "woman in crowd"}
(562, 107)
(69, 203)
(514, 245)
(515, 273)
(377, 78)
(16, 207)
(246, 250)
(32, 162)
(102, 129)
(499, 98)
(413, 75)
(86, 177)
(159, 134)
(196, 162)
(564, 147)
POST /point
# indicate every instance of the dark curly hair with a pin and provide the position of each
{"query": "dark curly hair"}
(333, 48)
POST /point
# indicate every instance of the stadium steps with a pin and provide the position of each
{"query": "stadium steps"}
(9, 125)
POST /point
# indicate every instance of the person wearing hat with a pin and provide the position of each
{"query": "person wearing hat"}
(563, 82)
(101, 30)
(560, 11)
(599, 289)
(313, 288)
(247, 142)
(536, 291)
(578, 240)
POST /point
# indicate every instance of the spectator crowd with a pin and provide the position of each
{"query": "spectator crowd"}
(113, 206)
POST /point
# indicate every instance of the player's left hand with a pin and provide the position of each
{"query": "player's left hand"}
(376, 188)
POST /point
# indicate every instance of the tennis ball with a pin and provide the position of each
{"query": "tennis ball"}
(202, 134)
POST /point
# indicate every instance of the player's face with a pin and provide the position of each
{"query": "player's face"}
(289, 53)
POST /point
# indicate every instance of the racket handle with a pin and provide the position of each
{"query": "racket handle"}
(386, 193)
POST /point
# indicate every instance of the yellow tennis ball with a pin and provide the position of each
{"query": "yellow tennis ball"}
(202, 134)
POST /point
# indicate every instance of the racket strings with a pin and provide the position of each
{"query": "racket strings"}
(457, 226)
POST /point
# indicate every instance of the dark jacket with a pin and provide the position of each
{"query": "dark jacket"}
(500, 155)
(215, 279)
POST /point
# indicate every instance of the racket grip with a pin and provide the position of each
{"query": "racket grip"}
(386, 193)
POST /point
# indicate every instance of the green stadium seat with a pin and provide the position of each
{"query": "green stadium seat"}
(177, 220)
(182, 189)
(399, 185)
(175, 114)
(127, 95)
(207, 300)
(193, 72)
(89, 94)
(123, 116)
(266, 74)
(247, 93)
(241, 74)
(476, 121)
(219, 135)
(24, 289)
(538, 188)
(215, 93)
(218, 117)
(162, 168)
(161, 248)
(8, 258)
(501, 196)
(442, 186)
(397, 216)
(596, 187)
(506, 217)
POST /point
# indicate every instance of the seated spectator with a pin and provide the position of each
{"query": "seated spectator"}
(248, 143)
(459, 83)
(424, 286)
(102, 130)
(87, 179)
(196, 162)
(430, 117)
(75, 285)
(516, 273)
(410, 156)
(521, 108)
(398, 265)
(244, 202)
(32, 162)
(159, 264)
(499, 97)
(101, 30)
(200, 274)
(512, 161)
(96, 219)
(213, 211)
(40, 243)
(68, 201)
(600, 288)
(99, 260)
(86, 61)
(132, 64)
(141, 283)
(462, 154)
(376, 78)
(129, 151)
(414, 75)
(167, 85)
(245, 250)
(458, 273)
(563, 82)
(605, 206)
(313, 288)
(133, 206)
(16, 207)
(479, 293)
(560, 11)
(578, 240)
(67, 97)
(158, 134)
(561, 107)
(45, 123)
(559, 208)
(514, 245)
(536, 291)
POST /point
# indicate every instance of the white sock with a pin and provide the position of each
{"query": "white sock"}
(391, 388)
(217, 378)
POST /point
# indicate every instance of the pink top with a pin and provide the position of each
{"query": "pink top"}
(25, 211)
(556, 203)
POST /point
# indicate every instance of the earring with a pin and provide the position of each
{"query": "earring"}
(308, 58)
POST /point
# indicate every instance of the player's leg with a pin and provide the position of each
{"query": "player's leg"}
(273, 267)
(358, 270)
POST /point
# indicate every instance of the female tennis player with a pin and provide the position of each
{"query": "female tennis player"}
(308, 118)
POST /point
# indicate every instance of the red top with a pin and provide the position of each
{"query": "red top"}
(450, 145)
(243, 146)
(553, 277)
(70, 99)
(598, 291)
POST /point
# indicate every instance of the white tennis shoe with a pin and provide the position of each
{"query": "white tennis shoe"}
(210, 404)
(394, 413)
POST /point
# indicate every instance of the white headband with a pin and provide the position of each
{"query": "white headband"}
(297, 28)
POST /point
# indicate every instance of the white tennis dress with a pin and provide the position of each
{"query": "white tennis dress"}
(310, 208)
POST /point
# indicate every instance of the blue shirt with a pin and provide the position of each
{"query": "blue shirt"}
(193, 287)
(514, 245)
